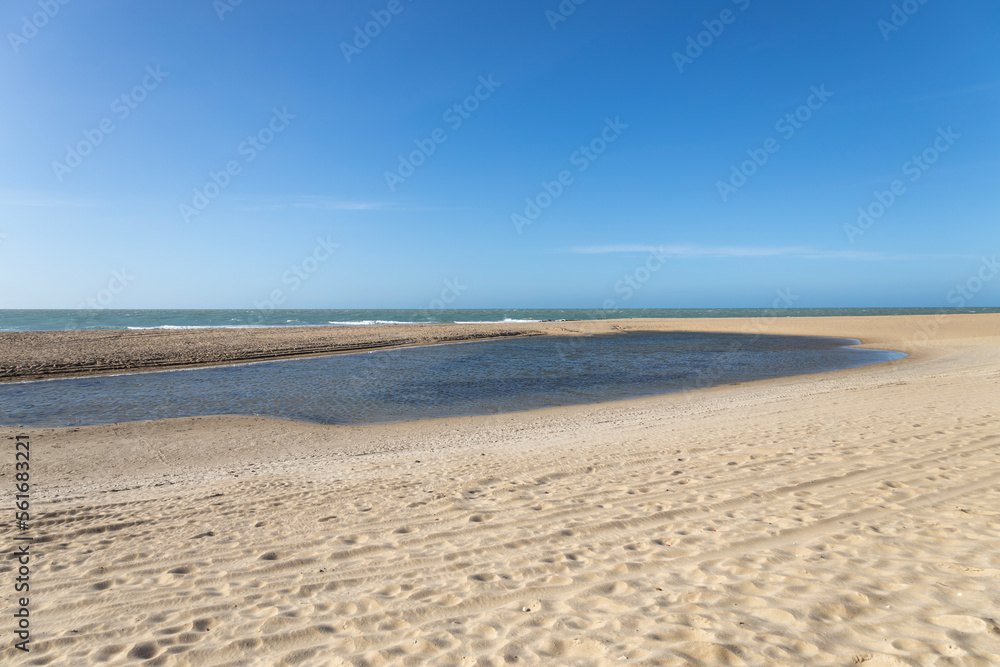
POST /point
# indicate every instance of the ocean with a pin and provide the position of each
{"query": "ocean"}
(72, 320)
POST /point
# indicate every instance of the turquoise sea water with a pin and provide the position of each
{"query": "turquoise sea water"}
(68, 320)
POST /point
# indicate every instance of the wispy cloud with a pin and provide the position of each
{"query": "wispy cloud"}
(323, 203)
(957, 92)
(35, 201)
(344, 205)
(700, 252)
(315, 203)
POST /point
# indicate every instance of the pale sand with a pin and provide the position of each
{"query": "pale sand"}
(831, 519)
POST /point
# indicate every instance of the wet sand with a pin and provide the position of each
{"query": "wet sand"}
(49, 354)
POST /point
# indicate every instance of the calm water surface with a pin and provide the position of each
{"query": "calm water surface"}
(440, 381)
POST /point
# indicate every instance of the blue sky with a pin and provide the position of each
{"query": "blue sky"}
(644, 125)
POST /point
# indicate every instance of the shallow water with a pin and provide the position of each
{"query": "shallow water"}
(439, 381)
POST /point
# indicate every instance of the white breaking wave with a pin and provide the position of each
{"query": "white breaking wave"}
(368, 323)
(198, 326)
(506, 320)
(222, 326)
(348, 323)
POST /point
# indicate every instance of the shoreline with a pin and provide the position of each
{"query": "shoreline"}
(231, 364)
(27, 356)
(39, 355)
(881, 335)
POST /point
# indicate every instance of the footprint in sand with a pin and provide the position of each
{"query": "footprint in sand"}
(967, 624)
(777, 616)
(109, 652)
(203, 624)
(144, 651)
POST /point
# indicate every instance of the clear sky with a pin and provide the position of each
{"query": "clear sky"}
(708, 153)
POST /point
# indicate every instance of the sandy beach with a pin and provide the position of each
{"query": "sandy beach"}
(840, 518)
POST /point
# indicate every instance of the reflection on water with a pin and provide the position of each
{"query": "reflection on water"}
(441, 381)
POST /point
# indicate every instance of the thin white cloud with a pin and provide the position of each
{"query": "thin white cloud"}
(34, 201)
(331, 204)
(343, 206)
(322, 203)
(315, 203)
(725, 252)
(957, 92)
